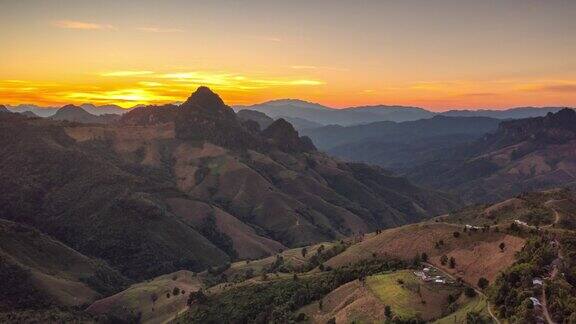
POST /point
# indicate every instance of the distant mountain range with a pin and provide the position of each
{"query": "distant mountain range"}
(78, 114)
(522, 155)
(305, 115)
(398, 146)
(322, 115)
(49, 111)
(318, 115)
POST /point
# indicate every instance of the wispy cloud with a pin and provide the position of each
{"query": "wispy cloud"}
(125, 73)
(150, 29)
(315, 67)
(82, 25)
(238, 81)
(560, 88)
(304, 67)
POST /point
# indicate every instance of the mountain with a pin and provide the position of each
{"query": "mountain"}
(301, 124)
(262, 119)
(316, 113)
(29, 114)
(104, 109)
(477, 264)
(511, 113)
(40, 111)
(4, 109)
(79, 115)
(522, 155)
(399, 145)
(191, 187)
(37, 270)
(49, 111)
(394, 113)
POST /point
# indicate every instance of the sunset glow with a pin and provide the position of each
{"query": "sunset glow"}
(515, 53)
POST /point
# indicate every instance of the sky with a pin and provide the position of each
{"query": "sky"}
(437, 54)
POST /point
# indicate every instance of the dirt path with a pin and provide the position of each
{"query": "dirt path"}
(545, 312)
(476, 290)
(554, 271)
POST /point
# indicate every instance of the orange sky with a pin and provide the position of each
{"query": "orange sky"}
(438, 54)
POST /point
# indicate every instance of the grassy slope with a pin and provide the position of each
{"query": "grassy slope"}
(535, 208)
(476, 304)
(475, 253)
(67, 276)
(137, 301)
(412, 296)
(291, 257)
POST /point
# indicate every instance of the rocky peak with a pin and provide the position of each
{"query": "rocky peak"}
(205, 99)
(204, 116)
(565, 118)
(552, 128)
(3, 109)
(285, 137)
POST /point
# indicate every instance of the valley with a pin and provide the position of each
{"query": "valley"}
(159, 216)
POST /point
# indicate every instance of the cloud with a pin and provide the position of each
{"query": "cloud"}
(304, 67)
(151, 84)
(73, 24)
(560, 88)
(314, 67)
(159, 30)
(237, 81)
(125, 73)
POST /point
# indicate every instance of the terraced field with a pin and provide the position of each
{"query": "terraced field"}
(409, 296)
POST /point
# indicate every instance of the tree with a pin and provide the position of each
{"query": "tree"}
(502, 246)
(304, 251)
(196, 297)
(483, 283)
(176, 291)
(452, 262)
(424, 257)
(388, 311)
(443, 259)
(320, 304)
(469, 292)
(456, 234)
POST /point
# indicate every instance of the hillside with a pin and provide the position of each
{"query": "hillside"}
(168, 189)
(510, 113)
(80, 115)
(400, 145)
(313, 113)
(371, 272)
(522, 155)
(42, 111)
(38, 271)
(380, 276)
